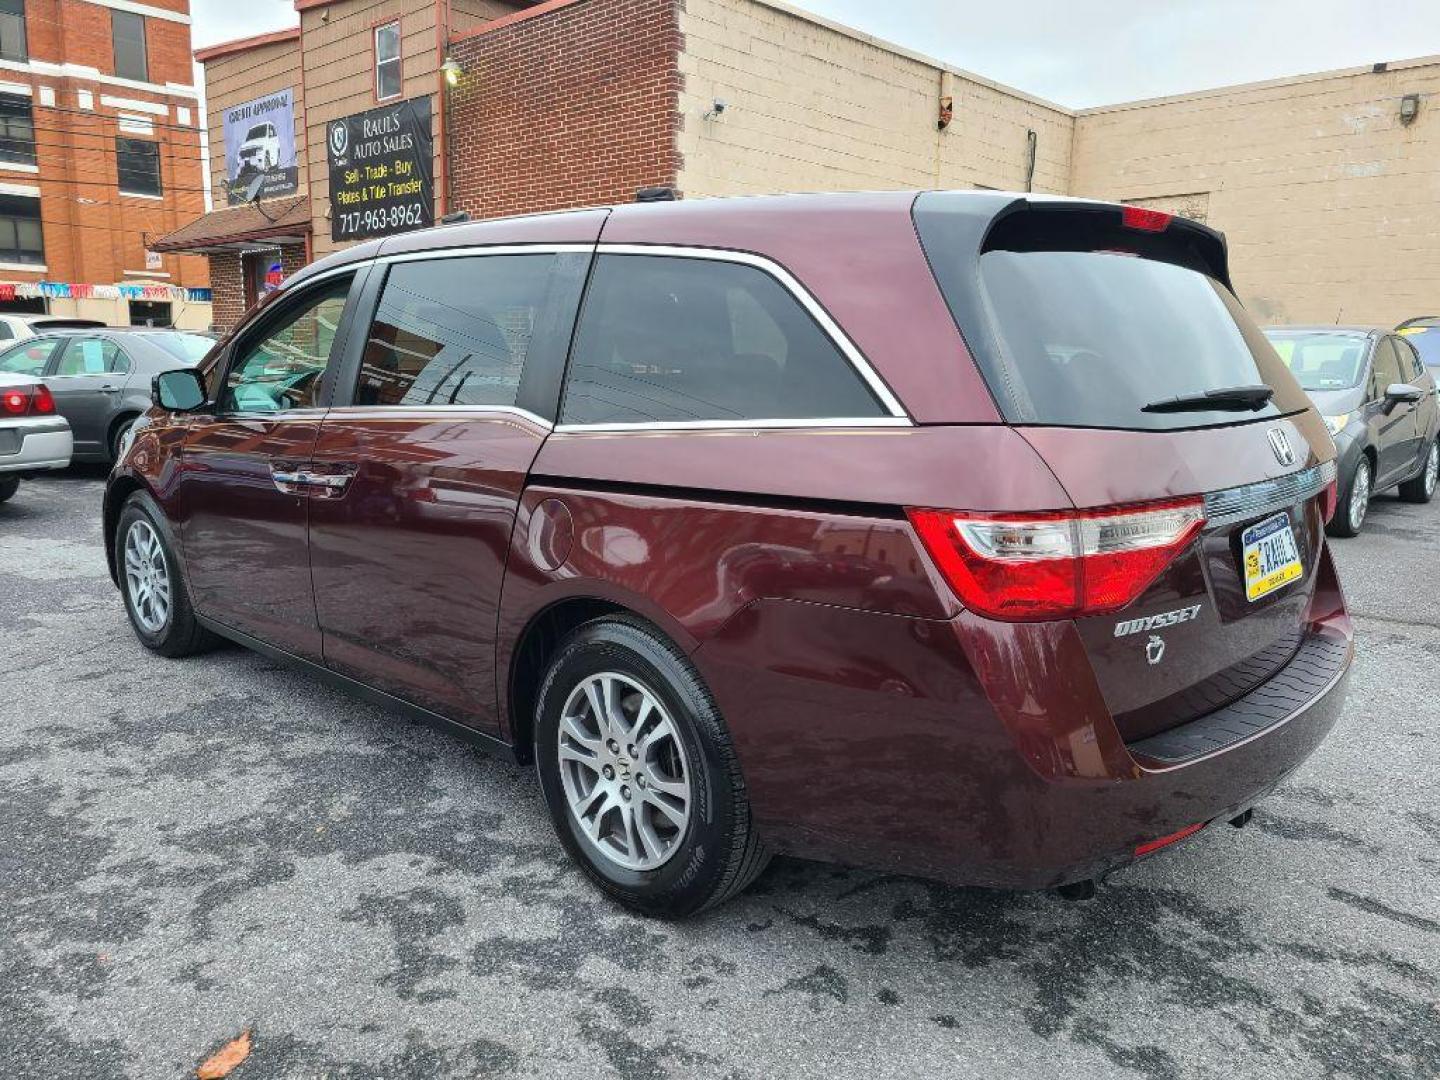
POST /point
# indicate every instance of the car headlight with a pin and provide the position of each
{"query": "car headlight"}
(1336, 424)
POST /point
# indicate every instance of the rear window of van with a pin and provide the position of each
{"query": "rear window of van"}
(1104, 338)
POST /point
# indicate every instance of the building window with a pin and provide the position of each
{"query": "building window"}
(128, 32)
(12, 30)
(387, 60)
(138, 164)
(17, 130)
(21, 240)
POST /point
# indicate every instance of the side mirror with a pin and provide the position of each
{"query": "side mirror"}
(1399, 392)
(181, 390)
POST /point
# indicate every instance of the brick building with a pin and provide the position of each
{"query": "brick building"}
(1326, 184)
(100, 153)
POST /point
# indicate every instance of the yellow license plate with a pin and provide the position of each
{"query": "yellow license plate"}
(1271, 556)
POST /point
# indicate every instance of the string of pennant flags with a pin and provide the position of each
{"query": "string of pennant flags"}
(65, 290)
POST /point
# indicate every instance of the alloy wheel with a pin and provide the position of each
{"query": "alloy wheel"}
(1432, 469)
(1360, 494)
(147, 578)
(624, 771)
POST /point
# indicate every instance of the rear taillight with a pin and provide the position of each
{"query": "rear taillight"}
(15, 402)
(1058, 564)
(27, 401)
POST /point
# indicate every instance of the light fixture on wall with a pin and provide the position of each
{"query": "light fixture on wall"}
(1409, 108)
(452, 70)
(717, 109)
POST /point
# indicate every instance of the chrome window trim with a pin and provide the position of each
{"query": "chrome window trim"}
(486, 249)
(400, 411)
(735, 425)
(1233, 505)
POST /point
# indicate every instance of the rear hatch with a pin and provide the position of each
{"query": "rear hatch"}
(1110, 338)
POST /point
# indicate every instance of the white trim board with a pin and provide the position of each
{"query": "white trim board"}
(143, 9)
(80, 71)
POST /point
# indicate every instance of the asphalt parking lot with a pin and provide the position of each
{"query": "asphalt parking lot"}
(192, 848)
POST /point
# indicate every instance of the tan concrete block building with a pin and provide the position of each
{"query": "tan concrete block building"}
(1327, 185)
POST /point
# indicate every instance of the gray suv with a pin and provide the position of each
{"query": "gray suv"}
(101, 377)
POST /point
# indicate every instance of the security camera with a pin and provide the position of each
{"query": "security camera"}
(718, 107)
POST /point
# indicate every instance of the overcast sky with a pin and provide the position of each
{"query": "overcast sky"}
(1077, 52)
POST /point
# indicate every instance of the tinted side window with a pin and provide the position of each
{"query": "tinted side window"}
(91, 356)
(1387, 367)
(668, 339)
(459, 331)
(1410, 363)
(283, 367)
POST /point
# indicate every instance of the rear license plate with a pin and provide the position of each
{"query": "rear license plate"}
(9, 441)
(1271, 556)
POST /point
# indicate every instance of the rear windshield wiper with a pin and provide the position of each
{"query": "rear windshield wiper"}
(1226, 397)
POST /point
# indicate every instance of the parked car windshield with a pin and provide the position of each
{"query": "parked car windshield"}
(1091, 338)
(191, 348)
(1426, 340)
(1322, 359)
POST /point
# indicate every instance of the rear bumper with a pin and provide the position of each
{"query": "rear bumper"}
(1086, 829)
(982, 753)
(44, 444)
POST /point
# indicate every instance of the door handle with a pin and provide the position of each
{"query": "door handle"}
(305, 482)
(107, 389)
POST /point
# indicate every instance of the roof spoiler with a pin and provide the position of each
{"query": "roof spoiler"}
(1001, 221)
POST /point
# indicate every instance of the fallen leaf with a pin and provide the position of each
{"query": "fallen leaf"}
(221, 1063)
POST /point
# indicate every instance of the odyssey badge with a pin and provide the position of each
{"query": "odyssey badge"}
(1155, 622)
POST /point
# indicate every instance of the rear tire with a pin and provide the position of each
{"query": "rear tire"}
(8, 486)
(1354, 501)
(1421, 489)
(150, 583)
(681, 752)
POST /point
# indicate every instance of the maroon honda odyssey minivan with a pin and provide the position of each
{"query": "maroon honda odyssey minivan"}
(971, 535)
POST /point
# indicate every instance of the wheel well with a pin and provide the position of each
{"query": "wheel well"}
(115, 424)
(120, 490)
(532, 656)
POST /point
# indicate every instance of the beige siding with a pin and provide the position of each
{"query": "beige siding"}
(817, 106)
(1328, 201)
(340, 78)
(241, 77)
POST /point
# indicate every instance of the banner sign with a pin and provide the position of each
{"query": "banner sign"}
(66, 290)
(381, 171)
(260, 149)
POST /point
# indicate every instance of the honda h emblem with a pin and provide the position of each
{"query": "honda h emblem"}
(1280, 443)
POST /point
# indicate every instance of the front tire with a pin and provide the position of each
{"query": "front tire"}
(1421, 489)
(1354, 501)
(150, 583)
(639, 773)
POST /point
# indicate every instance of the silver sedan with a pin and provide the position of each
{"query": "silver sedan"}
(33, 437)
(101, 377)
